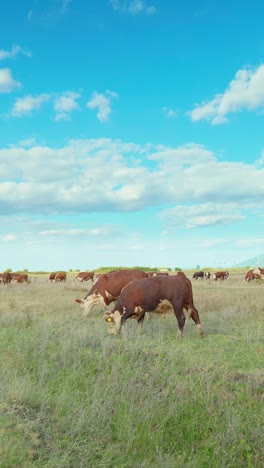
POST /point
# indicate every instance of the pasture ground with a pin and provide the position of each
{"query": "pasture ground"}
(73, 396)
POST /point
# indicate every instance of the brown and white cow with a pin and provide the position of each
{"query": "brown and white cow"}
(207, 275)
(259, 271)
(6, 277)
(19, 278)
(221, 275)
(60, 276)
(198, 274)
(155, 295)
(108, 288)
(84, 276)
(52, 276)
(252, 276)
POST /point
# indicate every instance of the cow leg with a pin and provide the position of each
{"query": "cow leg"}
(196, 319)
(140, 321)
(179, 314)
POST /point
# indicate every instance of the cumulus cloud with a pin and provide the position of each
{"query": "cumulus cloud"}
(27, 104)
(7, 82)
(65, 104)
(207, 214)
(132, 7)
(102, 102)
(15, 50)
(103, 175)
(245, 91)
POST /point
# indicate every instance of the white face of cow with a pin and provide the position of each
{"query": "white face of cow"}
(113, 321)
(88, 303)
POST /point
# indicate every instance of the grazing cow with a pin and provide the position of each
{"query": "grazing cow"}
(259, 271)
(52, 276)
(198, 274)
(207, 275)
(84, 276)
(59, 277)
(251, 276)
(6, 278)
(108, 288)
(221, 275)
(19, 278)
(156, 295)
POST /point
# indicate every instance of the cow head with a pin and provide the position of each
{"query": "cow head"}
(113, 320)
(90, 301)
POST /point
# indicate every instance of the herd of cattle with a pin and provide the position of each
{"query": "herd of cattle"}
(7, 278)
(136, 293)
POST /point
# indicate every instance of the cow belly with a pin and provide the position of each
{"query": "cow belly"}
(162, 308)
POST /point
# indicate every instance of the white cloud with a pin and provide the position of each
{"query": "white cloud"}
(261, 159)
(8, 238)
(65, 104)
(16, 49)
(245, 91)
(7, 82)
(169, 112)
(132, 7)
(103, 175)
(25, 106)
(102, 102)
(207, 214)
(93, 232)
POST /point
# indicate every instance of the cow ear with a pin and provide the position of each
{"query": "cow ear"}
(80, 301)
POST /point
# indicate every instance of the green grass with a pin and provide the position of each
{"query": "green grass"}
(73, 396)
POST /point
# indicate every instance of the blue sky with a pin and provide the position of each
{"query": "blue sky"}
(132, 133)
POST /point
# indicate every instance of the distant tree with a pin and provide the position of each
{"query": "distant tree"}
(198, 267)
(8, 270)
(177, 269)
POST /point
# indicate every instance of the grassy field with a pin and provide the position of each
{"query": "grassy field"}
(73, 396)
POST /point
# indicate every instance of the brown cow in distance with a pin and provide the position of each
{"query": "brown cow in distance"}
(52, 276)
(252, 276)
(198, 274)
(57, 276)
(221, 275)
(259, 271)
(19, 278)
(158, 294)
(6, 278)
(108, 288)
(60, 276)
(84, 276)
